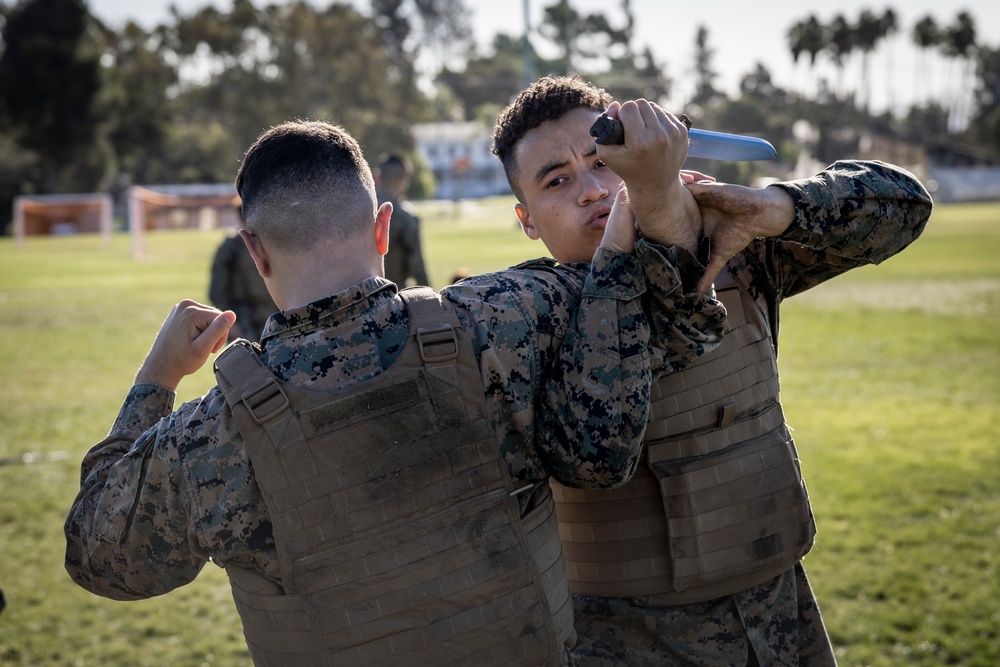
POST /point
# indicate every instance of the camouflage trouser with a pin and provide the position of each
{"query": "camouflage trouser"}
(777, 623)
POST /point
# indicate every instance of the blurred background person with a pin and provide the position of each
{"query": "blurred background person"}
(237, 286)
(405, 259)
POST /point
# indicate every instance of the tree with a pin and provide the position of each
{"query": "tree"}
(839, 46)
(49, 81)
(602, 54)
(868, 32)
(986, 120)
(705, 93)
(925, 35)
(489, 79)
(135, 101)
(958, 43)
(410, 26)
(583, 37)
(635, 76)
(889, 26)
(807, 36)
(285, 61)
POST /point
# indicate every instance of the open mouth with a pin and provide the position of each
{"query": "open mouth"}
(600, 220)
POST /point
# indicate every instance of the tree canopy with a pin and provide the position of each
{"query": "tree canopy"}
(84, 106)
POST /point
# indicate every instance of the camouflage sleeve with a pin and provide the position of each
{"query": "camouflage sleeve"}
(684, 324)
(851, 214)
(564, 353)
(125, 532)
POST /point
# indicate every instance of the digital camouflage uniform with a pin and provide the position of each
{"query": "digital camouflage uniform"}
(565, 365)
(236, 285)
(405, 257)
(851, 214)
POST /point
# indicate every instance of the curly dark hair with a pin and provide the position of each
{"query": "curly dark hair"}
(549, 98)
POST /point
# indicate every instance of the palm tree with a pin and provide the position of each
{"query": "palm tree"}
(807, 36)
(959, 43)
(925, 35)
(840, 44)
(889, 26)
(867, 34)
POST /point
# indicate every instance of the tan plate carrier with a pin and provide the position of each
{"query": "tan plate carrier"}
(397, 527)
(718, 503)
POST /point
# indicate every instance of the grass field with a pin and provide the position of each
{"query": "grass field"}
(890, 376)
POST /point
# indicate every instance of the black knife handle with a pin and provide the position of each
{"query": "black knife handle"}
(609, 131)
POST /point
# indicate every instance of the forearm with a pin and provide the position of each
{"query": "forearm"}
(105, 551)
(667, 215)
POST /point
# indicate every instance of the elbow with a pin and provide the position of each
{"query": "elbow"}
(91, 568)
(96, 582)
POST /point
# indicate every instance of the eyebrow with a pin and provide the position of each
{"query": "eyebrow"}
(557, 164)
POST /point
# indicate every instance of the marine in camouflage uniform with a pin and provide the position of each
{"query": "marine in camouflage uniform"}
(565, 366)
(405, 259)
(236, 285)
(624, 548)
(404, 263)
(852, 214)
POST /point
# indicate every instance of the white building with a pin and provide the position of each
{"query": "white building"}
(459, 155)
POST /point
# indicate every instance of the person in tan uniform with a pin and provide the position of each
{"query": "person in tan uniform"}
(697, 559)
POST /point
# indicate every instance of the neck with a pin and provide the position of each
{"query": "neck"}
(319, 274)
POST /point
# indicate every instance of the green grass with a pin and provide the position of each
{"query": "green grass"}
(890, 376)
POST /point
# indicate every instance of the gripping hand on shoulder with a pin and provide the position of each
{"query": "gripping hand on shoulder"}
(734, 215)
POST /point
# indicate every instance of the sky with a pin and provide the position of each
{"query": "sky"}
(741, 33)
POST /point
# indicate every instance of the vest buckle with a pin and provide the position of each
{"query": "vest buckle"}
(265, 400)
(437, 343)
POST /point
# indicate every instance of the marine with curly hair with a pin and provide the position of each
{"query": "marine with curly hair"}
(697, 559)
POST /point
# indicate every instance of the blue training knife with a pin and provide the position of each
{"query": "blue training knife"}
(701, 143)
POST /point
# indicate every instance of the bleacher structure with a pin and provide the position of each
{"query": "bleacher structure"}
(151, 208)
(62, 215)
(202, 206)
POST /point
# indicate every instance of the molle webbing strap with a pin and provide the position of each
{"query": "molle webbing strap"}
(717, 504)
(254, 394)
(750, 426)
(718, 388)
(541, 527)
(614, 540)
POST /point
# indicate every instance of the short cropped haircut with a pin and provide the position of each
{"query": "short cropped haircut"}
(302, 181)
(549, 98)
(394, 168)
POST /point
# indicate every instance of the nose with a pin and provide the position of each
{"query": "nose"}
(592, 189)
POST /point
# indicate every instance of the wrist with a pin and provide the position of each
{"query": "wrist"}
(779, 212)
(152, 373)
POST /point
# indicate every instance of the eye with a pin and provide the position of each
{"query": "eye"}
(599, 164)
(556, 182)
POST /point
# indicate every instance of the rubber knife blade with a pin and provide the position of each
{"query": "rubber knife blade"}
(701, 143)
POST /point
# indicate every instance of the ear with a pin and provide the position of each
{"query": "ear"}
(382, 217)
(523, 217)
(257, 251)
